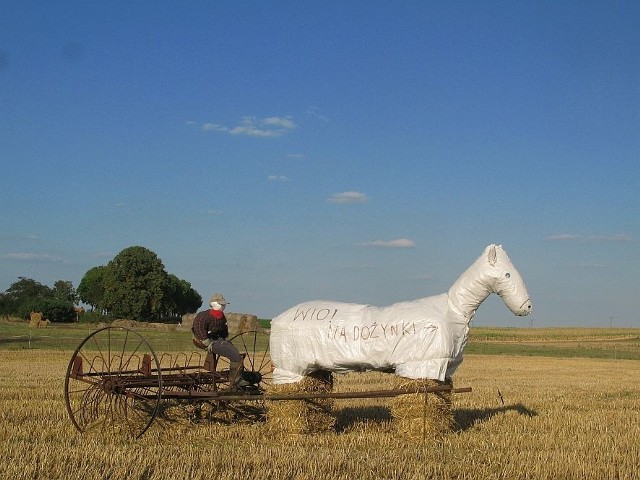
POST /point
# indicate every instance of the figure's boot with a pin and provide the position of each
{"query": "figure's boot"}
(235, 375)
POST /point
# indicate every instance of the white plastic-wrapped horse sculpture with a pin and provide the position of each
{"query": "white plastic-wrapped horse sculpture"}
(419, 339)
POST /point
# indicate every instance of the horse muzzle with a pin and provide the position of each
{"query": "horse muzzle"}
(525, 309)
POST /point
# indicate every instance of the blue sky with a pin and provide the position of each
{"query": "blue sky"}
(366, 152)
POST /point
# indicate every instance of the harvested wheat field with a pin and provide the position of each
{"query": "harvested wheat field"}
(527, 417)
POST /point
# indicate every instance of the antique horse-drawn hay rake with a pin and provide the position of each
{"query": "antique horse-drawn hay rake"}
(116, 382)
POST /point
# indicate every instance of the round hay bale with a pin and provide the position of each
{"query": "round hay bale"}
(34, 319)
(187, 320)
(419, 416)
(122, 322)
(241, 322)
(302, 416)
(237, 322)
(165, 327)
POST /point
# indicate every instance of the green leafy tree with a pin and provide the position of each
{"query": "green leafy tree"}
(135, 283)
(26, 288)
(27, 295)
(190, 300)
(182, 297)
(24, 296)
(91, 287)
(63, 290)
(4, 305)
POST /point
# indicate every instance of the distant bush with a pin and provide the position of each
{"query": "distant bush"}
(57, 310)
(264, 323)
(92, 316)
(29, 305)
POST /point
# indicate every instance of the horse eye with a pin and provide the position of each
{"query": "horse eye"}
(508, 275)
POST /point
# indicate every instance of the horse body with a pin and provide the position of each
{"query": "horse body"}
(423, 338)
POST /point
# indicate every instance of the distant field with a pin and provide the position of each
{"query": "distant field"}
(20, 336)
(616, 343)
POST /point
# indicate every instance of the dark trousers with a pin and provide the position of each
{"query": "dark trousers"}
(224, 348)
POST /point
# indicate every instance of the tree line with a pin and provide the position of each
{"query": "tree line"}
(133, 285)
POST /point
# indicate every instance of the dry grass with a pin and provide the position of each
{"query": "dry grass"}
(561, 419)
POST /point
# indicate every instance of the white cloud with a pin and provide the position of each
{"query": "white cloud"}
(32, 257)
(250, 126)
(279, 122)
(348, 197)
(18, 237)
(277, 178)
(563, 236)
(621, 237)
(315, 112)
(397, 243)
(295, 156)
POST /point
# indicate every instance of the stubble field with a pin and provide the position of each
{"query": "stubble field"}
(527, 417)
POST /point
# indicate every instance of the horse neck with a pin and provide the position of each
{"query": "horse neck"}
(470, 290)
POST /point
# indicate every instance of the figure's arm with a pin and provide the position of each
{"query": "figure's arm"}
(199, 329)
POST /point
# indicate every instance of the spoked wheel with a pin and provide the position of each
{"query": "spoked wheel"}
(257, 375)
(113, 383)
(257, 364)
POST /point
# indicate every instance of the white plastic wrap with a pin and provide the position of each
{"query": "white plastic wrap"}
(422, 338)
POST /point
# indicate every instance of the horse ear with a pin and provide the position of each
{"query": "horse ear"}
(492, 256)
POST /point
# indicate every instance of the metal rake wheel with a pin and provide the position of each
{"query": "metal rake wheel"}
(257, 370)
(113, 383)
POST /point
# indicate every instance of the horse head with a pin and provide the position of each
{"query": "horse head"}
(508, 282)
(492, 272)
